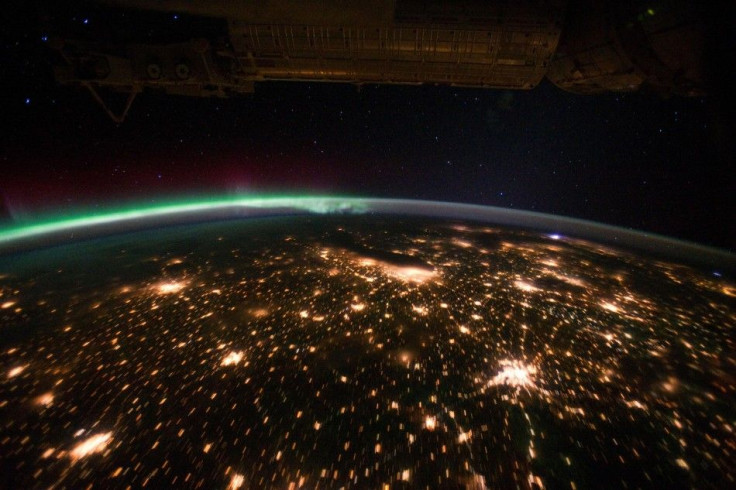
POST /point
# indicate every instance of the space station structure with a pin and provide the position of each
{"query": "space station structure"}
(583, 46)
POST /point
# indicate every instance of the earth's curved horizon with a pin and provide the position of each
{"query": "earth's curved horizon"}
(132, 217)
(362, 343)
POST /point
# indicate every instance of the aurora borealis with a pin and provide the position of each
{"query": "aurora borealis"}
(193, 209)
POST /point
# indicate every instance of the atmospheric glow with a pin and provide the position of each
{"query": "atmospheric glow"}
(317, 205)
(259, 205)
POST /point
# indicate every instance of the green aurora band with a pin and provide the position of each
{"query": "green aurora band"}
(81, 219)
(265, 205)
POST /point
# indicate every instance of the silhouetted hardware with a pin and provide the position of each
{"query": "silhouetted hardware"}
(585, 47)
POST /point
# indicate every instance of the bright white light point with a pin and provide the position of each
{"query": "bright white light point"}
(232, 358)
(682, 464)
(610, 307)
(405, 475)
(554, 236)
(16, 371)
(7, 304)
(170, 287)
(45, 400)
(358, 307)
(514, 373)
(463, 437)
(94, 444)
(236, 482)
(525, 286)
(464, 329)
(430, 422)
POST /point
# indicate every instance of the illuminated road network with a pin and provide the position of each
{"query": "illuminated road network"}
(362, 352)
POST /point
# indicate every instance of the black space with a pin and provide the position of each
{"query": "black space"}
(664, 165)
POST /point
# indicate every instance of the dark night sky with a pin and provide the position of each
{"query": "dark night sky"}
(635, 160)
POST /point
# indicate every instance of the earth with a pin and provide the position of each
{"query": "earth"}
(363, 350)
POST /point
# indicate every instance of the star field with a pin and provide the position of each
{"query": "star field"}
(363, 352)
(636, 160)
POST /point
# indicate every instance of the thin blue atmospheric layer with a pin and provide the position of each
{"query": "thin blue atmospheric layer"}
(184, 210)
